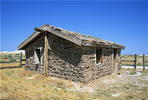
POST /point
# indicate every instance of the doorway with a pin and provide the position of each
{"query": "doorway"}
(115, 60)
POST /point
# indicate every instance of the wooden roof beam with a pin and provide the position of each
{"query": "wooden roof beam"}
(60, 34)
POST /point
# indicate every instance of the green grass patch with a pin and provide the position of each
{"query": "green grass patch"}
(133, 73)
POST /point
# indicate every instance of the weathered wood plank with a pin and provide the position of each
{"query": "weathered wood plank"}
(68, 35)
(128, 65)
(61, 34)
(77, 40)
(10, 67)
(46, 56)
(127, 60)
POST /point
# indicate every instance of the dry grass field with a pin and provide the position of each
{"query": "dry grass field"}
(131, 57)
(10, 59)
(17, 84)
(9, 64)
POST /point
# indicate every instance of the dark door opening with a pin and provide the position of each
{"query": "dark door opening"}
(38, 55)
(99, 56)
(114, 60)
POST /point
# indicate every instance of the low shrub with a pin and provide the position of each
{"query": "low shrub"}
(133, 73)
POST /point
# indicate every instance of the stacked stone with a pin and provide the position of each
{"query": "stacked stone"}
(70, 61)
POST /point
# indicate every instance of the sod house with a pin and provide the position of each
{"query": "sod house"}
(61, 53)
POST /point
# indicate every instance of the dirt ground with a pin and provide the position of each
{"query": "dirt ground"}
(128, 84)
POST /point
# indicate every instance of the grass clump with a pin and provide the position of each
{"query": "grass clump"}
(61, 85)
(133, 73)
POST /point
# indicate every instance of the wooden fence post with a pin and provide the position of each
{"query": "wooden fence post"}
(135, 61)
(143, 62)
(20, 59)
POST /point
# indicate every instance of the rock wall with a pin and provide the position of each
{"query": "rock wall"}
(70, 61)
(29, 51)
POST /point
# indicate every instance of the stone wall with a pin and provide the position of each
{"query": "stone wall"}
(70, 61)
(29, 51)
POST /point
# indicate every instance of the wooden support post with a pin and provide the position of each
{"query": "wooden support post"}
(135, 61)
(20, 59)
(46, 56)
(143, 62)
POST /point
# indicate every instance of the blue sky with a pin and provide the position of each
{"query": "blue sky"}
(124, 22)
